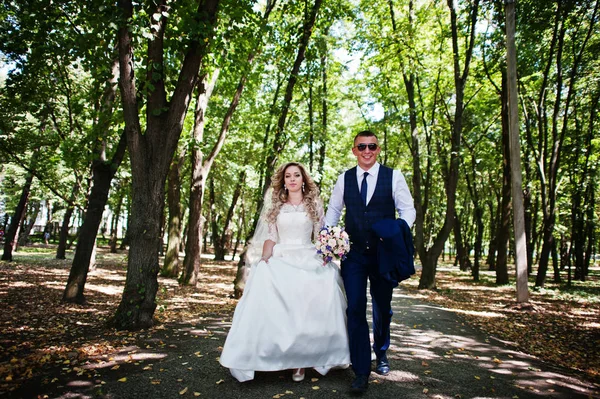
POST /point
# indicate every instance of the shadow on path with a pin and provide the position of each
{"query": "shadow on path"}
(432, 347)
(433, 354)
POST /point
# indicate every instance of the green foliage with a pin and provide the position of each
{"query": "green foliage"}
(356, 64)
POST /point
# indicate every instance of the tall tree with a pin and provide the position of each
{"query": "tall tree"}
(201, 166)
(103, 171)
(559, 128)
(279, 138)
(515, 156)
(172, 265)
(193, 244)
(11, 237)
(429, 259)
(151, 148)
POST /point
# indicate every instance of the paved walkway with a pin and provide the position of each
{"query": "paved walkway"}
(433, 355)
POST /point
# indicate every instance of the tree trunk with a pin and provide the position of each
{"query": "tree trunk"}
(427, 280)
(193, 244)
(520, 239)
(238, 239)
(547, 243)
(63, 237)
(581, 203)
(125, 240)
(590, 229)
(549, 190)
(102, 175)
(33, 209)
(462, 252)
(11, 237)
(477, 214)
(115, 222)
(505, 216)
(214, 219)
(103, 172)
(221, 240)
(200, 169)
(495, 212)
(61, 250)
(555, 262)
(478, 241)
(528, 204)
(151, 151)
(172, 265)
(138, 302)
(529, 228)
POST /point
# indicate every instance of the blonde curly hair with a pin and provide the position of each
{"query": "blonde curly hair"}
(310, 199)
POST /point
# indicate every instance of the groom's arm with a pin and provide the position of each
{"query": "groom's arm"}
(336, 203)
(403, 199)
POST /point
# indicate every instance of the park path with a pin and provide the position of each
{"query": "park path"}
(433, 354)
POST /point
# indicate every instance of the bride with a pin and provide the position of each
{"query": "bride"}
(292, 314)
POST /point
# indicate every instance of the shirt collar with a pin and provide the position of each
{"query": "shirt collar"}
(373, 171)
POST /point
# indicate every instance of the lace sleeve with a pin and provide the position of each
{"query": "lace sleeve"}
(321, 219)
(273, 235)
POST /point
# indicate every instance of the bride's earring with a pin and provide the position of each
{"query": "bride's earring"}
(302, 187)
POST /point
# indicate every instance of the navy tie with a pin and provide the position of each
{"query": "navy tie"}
(363, 188)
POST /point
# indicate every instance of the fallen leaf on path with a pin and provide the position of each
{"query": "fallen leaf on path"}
(183, 391)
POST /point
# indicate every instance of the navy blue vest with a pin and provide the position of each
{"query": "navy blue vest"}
(359, 218)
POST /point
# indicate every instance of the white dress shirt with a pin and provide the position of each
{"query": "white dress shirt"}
(403, 200)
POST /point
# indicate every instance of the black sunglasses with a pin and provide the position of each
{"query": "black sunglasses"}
(361, 147)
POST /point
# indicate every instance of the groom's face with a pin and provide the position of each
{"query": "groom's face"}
(368, 156)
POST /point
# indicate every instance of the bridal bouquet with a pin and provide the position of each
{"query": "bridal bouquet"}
(332, 242)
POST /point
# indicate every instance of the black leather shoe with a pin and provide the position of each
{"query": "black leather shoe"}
(360, 384)
(383, 366)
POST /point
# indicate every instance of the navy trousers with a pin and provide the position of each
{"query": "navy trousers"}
(356, 269)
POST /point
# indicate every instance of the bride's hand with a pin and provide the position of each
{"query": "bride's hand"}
(265, 259)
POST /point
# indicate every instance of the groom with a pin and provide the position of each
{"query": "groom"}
(370, 192)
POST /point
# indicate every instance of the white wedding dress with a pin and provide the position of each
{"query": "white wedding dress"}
(293, 310)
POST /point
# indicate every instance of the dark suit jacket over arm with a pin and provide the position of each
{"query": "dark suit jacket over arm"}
(395, 250)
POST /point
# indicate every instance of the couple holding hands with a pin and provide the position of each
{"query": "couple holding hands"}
(299, 312)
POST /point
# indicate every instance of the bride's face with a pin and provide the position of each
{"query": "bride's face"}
(293, 178)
